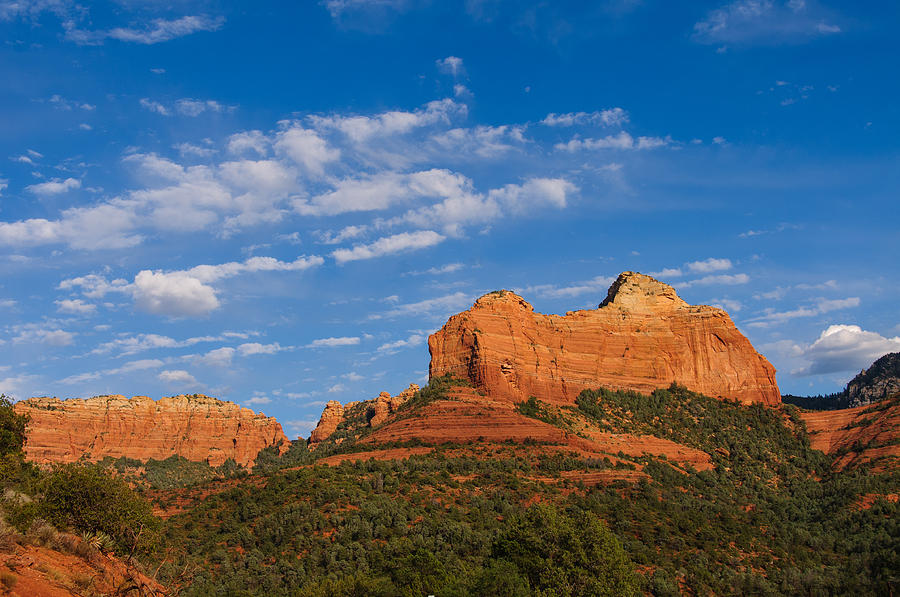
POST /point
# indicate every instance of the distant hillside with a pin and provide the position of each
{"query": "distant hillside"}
(879, 382)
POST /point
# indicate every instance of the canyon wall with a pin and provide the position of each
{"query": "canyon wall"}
(199, 428)
(642, 337)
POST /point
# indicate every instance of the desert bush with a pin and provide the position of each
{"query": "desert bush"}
(84, 497)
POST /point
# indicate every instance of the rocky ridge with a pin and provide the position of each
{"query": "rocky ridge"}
(196, 427)
(879, 381)
(643, 336)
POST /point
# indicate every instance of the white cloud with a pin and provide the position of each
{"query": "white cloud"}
(37, 334)
(185, 292)
(598, 286)
(189, 149)
(338, 387)
(845, 348)
(436, 271)
(346, 233)
(438, 306)
(668, 272)
(249, 141)
(413, 340)
(622, 141)
(533, 194)
(482, 141)
(157, 31)
(77, 306)
(363, 128)
(258, 400)
(219, 357)
(178, 377)
(720, 279)
(252, 348)
(451, 65)
(822, 306)
(610, 117)
(306, 148)
(194, 107)
(127, 345)
(4, 184)
(405, 241)
(54, 187)
(173, 294)
(763, 21)
(154, 106)
(709, 265)
(334, 342)
(129, 367)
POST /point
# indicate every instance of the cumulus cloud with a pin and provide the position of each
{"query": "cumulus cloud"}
(334, 342)
(54, 187)
(764, 21)
(183, 293)
(597, 286)
(820, 307)
(411, 341)
(258, 400)
(395, 122)
(37, 334)
(252, 348)
(178, 377)
(845, 348)
(306, 148)
(709, 265)
(254, 141)
(438, 307)
(405, 241)
(719, 279)
(154, 32)
(610, 117)
(219, 357)
(623, 141)
(128, 345)
(451, 65)
(76, 306)
(173, 294)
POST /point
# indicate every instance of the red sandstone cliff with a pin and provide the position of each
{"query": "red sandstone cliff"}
(197, 427)
(642, 337)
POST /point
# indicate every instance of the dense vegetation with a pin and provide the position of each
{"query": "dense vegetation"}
(78, 497)
(769, 519)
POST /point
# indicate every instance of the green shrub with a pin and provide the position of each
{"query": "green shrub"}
(84, 497)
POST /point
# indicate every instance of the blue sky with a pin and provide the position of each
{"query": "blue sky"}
(277, 204)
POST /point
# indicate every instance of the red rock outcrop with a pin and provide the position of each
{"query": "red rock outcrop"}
(642, 337)
(197, 427)
(385, 404)
(328, 422)
(858, 435)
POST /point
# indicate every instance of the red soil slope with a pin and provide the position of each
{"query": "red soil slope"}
(862, 434)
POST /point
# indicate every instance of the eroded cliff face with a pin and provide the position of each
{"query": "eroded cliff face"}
(198, 428)
(642, 337)
(375, 412)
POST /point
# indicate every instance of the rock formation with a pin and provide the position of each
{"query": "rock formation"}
(328, 422)
(197, 427)
(878, 382)
(377, 412)
(642, 337)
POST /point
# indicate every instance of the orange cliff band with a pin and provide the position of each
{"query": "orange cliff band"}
(642, 337)
(196, 427)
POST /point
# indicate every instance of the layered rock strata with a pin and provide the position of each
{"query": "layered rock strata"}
(642, 337)
(196, 427)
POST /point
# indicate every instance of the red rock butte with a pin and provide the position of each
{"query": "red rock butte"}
(196, 427)
(642, 337)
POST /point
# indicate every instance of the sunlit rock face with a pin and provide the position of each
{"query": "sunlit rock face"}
(196, 427)
(641, 337)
